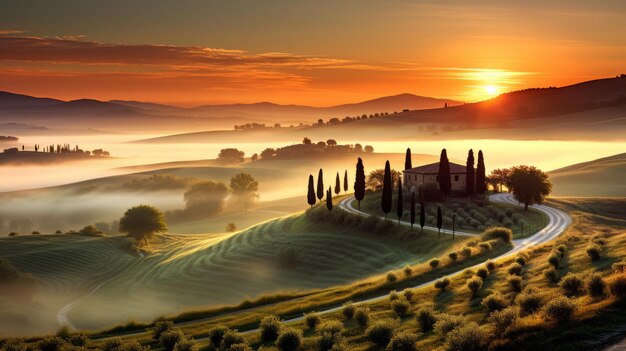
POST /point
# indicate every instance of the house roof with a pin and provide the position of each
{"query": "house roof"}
(433, 168)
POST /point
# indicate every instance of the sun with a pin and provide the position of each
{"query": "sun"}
(491, 89)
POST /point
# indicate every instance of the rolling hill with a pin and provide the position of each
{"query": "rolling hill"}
(603, 177)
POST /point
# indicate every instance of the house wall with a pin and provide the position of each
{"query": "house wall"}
(413, 180)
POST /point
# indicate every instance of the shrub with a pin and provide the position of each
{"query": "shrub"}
(447, 323)
(560, 309)
(554, 260)
(289, 340)
(503, 319)
(552, 275)
(504, 234)
(78, 339)
(401, 307)
(529, 303)
(135, 346)
(594, 251)
(331, 326)
(403, 342)
(216, 334)
(617, 285)
(185, 345)
(329, 341)
(474, 284)
(562, 249)
(466, 251)
(270, 328)
(453, 256)
(111, 344)
(392, 277)
(484, 246)
(521, 260)
(362, 316)
(426, 319)
(231, 338)
(169, 338)
(468, 337)
(408, 294)
(160, 328)
(571, 284)
(51, 344)
(494, 302)
(491, 266)
(381, 331)
(482, 273)
(240, 347)
(434, 263)
(442, 284)
(407, 271)
(393, 295)
(508, 212)
(515, 269)
(348, 310)
(312, 320)
(595, 285)
(63, 332)
(515, 283)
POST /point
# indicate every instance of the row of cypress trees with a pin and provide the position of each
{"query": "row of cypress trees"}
(314, 194)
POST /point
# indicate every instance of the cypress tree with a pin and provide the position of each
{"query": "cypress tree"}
(453, 224)
(329, 199)
(444, 174)
(400, 205)
(387, 189)
(481, 184)
(337, 185)
(422, 215)
(320, 185)
(412, 209)
(470, 182)
(420, 197)
(407, 160)
(359, 182)
(345, 182)
(311, 194)
(439, 220)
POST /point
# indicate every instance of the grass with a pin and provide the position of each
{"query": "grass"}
(601, 177)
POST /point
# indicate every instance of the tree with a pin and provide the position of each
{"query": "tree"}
(443, 177)
(306, 141)
(399, 206)
(453, 224)
(206, 198)
(329, 199)
(407, 160)
(310, 196)
(359, 182)
(337, 185)
(376, 178)
(422, 215)
(331, 142)
(230, 155)
(369, 149)
(470, 183)
(320, 185)
(481, 181)
(412, 209)
(142, 222)
(387, 190)
(500, 177)
(439, 220)
(530, 185)
(345, 182)
(246, 188)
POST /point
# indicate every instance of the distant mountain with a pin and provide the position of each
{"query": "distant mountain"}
(394, 103)
(603, 177)
(12, 100)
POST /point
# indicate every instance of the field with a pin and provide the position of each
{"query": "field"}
(599, 178)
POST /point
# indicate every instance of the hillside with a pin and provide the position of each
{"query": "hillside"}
(603, 177)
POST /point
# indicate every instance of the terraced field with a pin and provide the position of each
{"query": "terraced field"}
(108, 284)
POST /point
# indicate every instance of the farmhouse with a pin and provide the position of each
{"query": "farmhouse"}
(415, 177)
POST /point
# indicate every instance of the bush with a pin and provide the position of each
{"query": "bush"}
(51, 344)
(401, 307)
(348, 310)
(466, 251)
(329, 341)
(434, 263)
(552, 275)
(482, 273)
(617, 285)
(503, 319)
(504, 234)
(169, 338)
(407, 271)
(595, 285)
(494, 302)
(515, 283)
(453, 256)
(491, 266)
(289, 340)
(474, 284)
(403, 342)
(216, 334)
(135, 346)
(231, 338)
(447, 323)
(484, 246)
(468, 337)
(442, 284)
(312, 320)
(270, 328)
(111, 344)
(240, 347)
(571, 284)
(331, 326)
(426, 319)
(78, 339)
(515, 269)
(529, 303)
(521, 260)
(562, 249)
(408, 294)
(554, 260)
(185, 345)
(362, 316)
(392, 277)
(160, 328)
(381, 331)
(594, 252)
(393, 295)
(560, 309)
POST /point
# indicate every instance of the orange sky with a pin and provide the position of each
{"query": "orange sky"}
(280, 51)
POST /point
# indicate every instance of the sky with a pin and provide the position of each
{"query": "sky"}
(304, 52)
